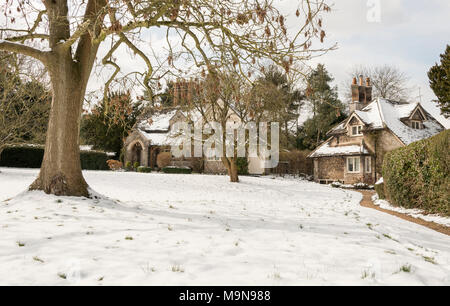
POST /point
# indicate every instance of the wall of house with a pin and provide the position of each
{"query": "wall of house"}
(381, 142)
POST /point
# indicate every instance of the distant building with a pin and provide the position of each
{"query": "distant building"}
(155, 135)
(355, 150)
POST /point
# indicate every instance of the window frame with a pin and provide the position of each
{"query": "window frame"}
(358, 130)
(368, 162)
(416, 124)
(353, 158)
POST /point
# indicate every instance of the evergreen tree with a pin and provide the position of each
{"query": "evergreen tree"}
(439, 76)
(326, 107)
(110, 122)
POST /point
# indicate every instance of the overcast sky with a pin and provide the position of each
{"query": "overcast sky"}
(408, 34)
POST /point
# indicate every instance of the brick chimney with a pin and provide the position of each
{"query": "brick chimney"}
(361, 94)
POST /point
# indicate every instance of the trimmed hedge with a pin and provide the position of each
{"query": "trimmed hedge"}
(242, 165)
(175, 170)
(417, 176)
(144, 169)
(31, 157)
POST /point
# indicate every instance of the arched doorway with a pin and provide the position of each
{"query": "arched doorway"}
(136, 153)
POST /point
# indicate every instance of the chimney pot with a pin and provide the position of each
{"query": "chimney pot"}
(354, 81)
(368, 84)
(361, 80)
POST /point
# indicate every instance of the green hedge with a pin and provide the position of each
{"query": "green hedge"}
(175, 170)
(31, 157)
(242, 165)
(417, 176)
(144, 169)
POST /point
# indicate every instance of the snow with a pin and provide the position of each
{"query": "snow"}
(327, 150)
(160, 229)
(158, 122)
(392, 114)
(416, 213)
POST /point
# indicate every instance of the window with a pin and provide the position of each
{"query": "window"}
(368, 164)
(417, 125)
(353, 164)
(357, 130)
(212, 156)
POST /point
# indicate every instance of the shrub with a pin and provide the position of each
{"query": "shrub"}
(177, 170)
(417, 176)
(136, 165)
(242, 165)
(164, 159)
(379, 188)
(27, 156)
(128, 166)
(93, 160)
(114, 164)
(144, 169)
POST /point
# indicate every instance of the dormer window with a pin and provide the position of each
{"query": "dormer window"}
(357, 130)
(417, 125)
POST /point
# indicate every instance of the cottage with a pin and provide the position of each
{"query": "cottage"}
(355, 150)
(153, 136)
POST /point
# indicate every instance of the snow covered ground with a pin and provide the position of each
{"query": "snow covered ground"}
(416, 213)
(202, 230)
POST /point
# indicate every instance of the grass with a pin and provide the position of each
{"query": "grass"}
(20, 244)
(405, 268)
(62, 275)
(367, 274)
(128, 238)
(177, 269)
(430, 260)
(35, 258)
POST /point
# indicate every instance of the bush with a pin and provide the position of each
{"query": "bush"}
(114, 164)
(417, 176)
(242, 165)
(164, 159)
(31, 157)
(128, 166)
(177, 170)
(136, 165)
(92, 160)
(379, 188)
(144, 169)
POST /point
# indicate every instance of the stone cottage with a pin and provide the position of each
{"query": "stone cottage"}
(153, 136)
(355, 150)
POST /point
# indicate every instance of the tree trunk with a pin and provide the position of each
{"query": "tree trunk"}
(230, 164)
(61, 167)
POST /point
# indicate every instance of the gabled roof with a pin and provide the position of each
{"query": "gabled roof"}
(326, 150)
(383, 113)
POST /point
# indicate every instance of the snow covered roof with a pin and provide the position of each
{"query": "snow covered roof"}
(383, 113)
(158, 122)
(157, 129)
(326, 150)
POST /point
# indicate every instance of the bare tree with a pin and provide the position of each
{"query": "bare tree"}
(388, 82)
(24, 102)
(210, 32)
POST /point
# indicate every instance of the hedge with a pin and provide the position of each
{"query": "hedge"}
(242, 165)
(176, 170)
(417, 176)
(31, 157)
(144, 169)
